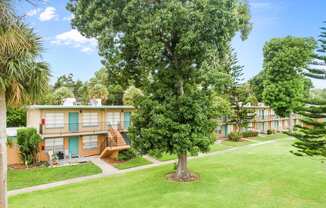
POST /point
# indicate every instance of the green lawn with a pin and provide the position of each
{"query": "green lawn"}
(35, 176)
(266, 176)
(215, 147)
(270, 137)
(166, 157)
(138, 161)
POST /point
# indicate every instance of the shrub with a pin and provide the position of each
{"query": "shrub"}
(271, 131)
(234, 136)
(28, 141)
(127, 154)
(247, 134)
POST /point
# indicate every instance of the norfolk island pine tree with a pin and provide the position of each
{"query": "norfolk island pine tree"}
(311, 134)
(22, 77)
(166, 48)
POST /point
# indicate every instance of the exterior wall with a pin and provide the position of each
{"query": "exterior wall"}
(13, 154)
(35, 117)
(265, 119)
(34, 120)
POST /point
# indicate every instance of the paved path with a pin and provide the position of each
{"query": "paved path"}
(106, 167)
(109, 171)
(151, 159)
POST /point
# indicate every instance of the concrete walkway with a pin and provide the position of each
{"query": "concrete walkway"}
(151, 159)
(109, 171)
(106, 167)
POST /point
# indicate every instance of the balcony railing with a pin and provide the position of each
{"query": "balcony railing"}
(83, 127)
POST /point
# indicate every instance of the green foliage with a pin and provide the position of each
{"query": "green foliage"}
(240, 95)
(67, 81)
(270, 131)
(115, 95)
(247, 134)
(127, 154)
(98, 91)
(234, 136)
(16, 117)
(28, 141)
(61, 93)
(284, 84)
(257, 85)
(173, 51)
(131, 95)
(311, 134)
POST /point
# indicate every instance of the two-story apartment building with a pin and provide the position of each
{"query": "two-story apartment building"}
(265, 118)
(78, 130)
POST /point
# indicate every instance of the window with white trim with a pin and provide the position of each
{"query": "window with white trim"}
(54, 120)
(90, 119)
(90, 142)
(55, 145)
(113, 119)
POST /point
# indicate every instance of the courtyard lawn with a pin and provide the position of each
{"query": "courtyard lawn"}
(166, 157)
(265, 176)
(35, 176)
(270, 137)
(138, 161)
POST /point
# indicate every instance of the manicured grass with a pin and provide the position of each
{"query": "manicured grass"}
(215, 147)
(236, 144)
(138, 161)
(265, 176)
(270, 137)
(35, 176)
(219, 147)
(166, 157)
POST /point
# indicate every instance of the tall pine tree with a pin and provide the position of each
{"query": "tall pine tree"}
(311, 134)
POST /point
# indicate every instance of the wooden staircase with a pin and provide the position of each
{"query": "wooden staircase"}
(115, 142)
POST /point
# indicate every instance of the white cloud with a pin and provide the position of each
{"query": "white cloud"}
(33, 12)
(75, 39)
(48, 14)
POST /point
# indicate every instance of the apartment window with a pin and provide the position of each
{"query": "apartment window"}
(90, 119)
(55, 145)
(90, 142)
(54, 120)
(113, 119)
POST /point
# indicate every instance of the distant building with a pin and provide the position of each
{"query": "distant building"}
(264, 119)
(72, 131)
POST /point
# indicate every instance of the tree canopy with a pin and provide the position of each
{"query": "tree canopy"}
(284, 61)
(168, 49)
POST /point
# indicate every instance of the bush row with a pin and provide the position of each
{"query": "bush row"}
(236, 136)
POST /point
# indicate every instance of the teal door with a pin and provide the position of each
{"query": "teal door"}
(225, 130)
(127, 121)
(73, 147)
(73, 121)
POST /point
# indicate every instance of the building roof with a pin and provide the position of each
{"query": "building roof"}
(80, 107)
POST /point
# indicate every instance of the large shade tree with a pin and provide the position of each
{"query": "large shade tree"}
(284, 84)
(170, 49)
(22, 76)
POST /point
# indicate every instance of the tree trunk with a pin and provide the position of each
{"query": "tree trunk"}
(3, 151)
(182, 169)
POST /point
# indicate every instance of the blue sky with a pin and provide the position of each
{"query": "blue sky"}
(68, 52)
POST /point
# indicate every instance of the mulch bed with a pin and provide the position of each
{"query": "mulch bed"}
(173, 177)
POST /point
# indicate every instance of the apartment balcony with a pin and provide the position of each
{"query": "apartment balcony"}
(78, 129)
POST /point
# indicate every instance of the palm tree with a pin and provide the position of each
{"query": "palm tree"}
(22, 76)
